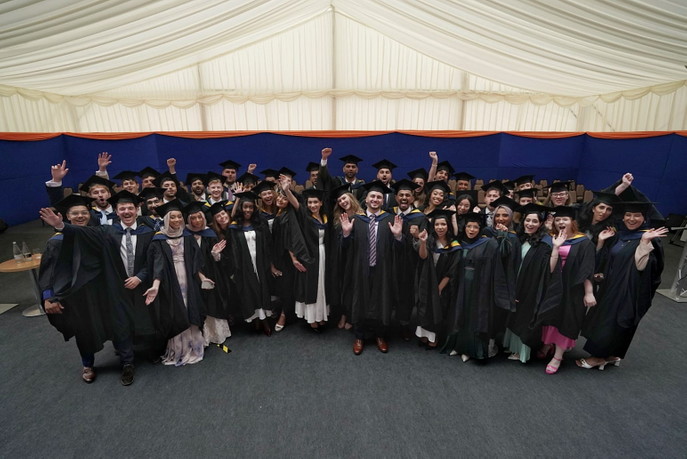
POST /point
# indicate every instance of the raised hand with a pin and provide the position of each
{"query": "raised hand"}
(284, 182)
(221, 245)
(251, 168)
(49, 217)
(346, 224)
(434, 156)
(501, 227)
(326, 152)
(59, 171)
(606, 234)
(237, 188)
(627, 179)
(414, 231)
(423, 235)
(104, 160)
(397, 227)
(654, 233)
(558, 240)
(171, 165)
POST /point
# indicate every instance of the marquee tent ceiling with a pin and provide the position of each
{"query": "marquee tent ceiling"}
(342, 64)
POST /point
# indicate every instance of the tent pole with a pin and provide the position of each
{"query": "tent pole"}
(333, 126)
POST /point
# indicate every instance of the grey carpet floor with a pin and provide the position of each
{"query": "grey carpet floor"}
(298, 394)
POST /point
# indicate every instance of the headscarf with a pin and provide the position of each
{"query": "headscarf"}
(167, 230)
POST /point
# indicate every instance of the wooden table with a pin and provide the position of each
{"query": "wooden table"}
(31, 266)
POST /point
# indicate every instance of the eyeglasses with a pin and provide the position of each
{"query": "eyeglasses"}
(563, 194)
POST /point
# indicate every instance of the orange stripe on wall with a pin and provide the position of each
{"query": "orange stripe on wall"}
(30, 136)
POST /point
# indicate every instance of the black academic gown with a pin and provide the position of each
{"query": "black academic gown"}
(252, 289)
(408, 264)
(510, 251)
(371, 298)
(538, 290)
(172, 316)
(481, 290)
(306, 283)
(432, 306)
(83, 316)
(625, 296)
(569, 315)
(286, 237)
(216, 300)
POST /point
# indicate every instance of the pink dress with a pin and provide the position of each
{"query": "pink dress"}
(549, 333)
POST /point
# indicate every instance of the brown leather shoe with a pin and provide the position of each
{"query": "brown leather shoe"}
(381, 345)
(88, 375)
(358, 347)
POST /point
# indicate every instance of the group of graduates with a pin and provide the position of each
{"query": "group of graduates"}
(166, 271)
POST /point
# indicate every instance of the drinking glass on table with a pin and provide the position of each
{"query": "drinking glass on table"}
(37, 254)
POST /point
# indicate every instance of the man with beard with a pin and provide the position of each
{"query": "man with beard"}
(463, 181)
(168, 181)
(119, 252)
(196, 182)
(373, 241)
(152, 198)
(313, 169)
(408, 260)
(327, 182)
(148, 176)
(229, 170)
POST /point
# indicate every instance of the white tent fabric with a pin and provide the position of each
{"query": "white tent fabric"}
(108, 65)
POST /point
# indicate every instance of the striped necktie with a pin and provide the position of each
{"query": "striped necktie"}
(373, 241)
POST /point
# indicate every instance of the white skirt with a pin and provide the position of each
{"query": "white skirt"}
(186, 348)
(422, 333)
(319, 310)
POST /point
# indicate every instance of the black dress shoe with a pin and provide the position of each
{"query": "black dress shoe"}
(315, 329)
(127, 375)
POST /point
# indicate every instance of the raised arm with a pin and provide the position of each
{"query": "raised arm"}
(284, 185)
(433, 167)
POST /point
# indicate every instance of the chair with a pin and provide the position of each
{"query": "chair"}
(67, 191)
(588, 196)
(452, 184)
(580, 190)
(479, 183)
(299, 188)
(480, 198)
(573, 197)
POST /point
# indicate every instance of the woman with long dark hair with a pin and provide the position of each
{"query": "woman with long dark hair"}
(481, 287)
(633, 264)
(538, 288)
(594, 217)
(439, 254)
(312, 285)
(562, 324)
(250, 248)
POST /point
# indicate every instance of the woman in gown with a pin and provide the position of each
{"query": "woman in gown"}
(481, 288)
(312, 285)
(539, 286)
(633, 264)
(562, 324)
(176, 262)
(250, 245)
(218, 268)
(439, 253)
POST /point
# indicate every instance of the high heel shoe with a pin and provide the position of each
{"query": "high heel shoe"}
(550, 369)
(582, 363)
(465, 357)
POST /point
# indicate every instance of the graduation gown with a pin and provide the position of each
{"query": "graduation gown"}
(371, 298)
(83, 316)
(216, 300)
(569, 315)
(408, 264)
(625, 296)
(306, 283)
(252, 289)
(481, 289)
(172, 316)
(537, 291)
(327, 182)
(286, 237)
(432, 306)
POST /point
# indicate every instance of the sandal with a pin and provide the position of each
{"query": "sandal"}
(550, 369)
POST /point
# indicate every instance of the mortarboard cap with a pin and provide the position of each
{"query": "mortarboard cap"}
(246, 196)
(286, 171)
(445, 166)
(337, 192)
(217, 208)
(263, 186)
(152, 192)
(471, 194)
(195, 207)
(376, 185)
(558, 187)
(125, 196)
(212, 176)
(441, 213)
(270, 173)
(607, 198)
(166, 176)
(429, 186)
(384, 164)
(174, 204)
(193, 176)
(96, 180)
(528, 193)
(404, 184)
(229, 164)
(473, 217)
(495, 185)
(247, 177)
(126, 175)
(148, 172)
(532, 208)
(312, 166)
(564, 211)
(523, 179)
(463, 176)
(422, 173)
(73, 200)
(505, 201)
(313, 193)
(350, 159)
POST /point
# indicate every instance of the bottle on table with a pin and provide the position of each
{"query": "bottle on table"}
(25, 251)
(18, 256)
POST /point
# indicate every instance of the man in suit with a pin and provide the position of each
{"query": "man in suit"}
(327, 182)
